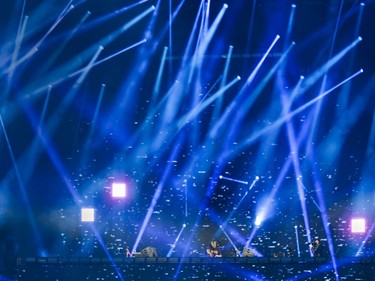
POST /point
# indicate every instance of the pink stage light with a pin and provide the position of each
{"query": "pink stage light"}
(118, 190)
(358, 225)
(87, 215)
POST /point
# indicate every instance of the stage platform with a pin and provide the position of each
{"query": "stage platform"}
(195, 268)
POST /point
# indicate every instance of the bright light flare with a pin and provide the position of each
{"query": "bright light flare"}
(118, 190)
(358, 225)
(259, 219)
(87, 215)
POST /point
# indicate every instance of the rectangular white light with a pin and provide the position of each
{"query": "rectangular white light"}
(119, 190)
(87, 214)
(358, 225)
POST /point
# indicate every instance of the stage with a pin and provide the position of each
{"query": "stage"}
(194, 268)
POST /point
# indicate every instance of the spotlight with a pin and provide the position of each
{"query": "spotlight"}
(358, 225)
(225, 6)
(87, 214)
(258, 220)
(257, 178)
(119, 190)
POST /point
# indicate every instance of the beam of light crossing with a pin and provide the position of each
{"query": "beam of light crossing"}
(241, 146)
(111, 37)
(99, 20)
(254, 94)
(324, 213)
(316, 75)
(161, 140)
(156, 196)
(323, 72)
(230, 216)
(87, 146)
(211, 187)
(244, 107)
(53, 122)
(205, 41)
(323, 87)
(368, 235)
(60, 168)
(229, 239)
(71, 75)
(334, 142)
(74, 62)
(88, 67)
(19, 38)
(173, 96)
(52, 58)
(34, 149)
(199, 108)
(29, 212)
(294, 148)
(176, 241)
(219, 102)
(34, 49)
(211, 31)
(106, 251)
(280, 179)
(343, 99)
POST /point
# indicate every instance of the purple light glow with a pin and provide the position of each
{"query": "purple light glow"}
(358, 225)
(118, 190)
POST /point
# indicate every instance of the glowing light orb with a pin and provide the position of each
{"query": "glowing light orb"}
(358, 225)
(87, 214)
(118, 190)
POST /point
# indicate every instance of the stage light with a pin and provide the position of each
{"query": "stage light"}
(358, 225)
(119, 190)
(258, 220)
(87, 214)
